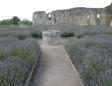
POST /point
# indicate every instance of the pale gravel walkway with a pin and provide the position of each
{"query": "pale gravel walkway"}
(56, 70)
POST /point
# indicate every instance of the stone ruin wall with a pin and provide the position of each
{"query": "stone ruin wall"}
(75, 16)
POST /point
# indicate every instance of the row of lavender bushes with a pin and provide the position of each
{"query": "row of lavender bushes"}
(92, 57)
(18, 51)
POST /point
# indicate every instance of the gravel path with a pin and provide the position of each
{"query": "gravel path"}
(55, 69)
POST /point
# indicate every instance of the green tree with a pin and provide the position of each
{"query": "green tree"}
(5, 22)
(28, 22)
(15, 20)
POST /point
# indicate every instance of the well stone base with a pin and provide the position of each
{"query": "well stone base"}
(51, 37)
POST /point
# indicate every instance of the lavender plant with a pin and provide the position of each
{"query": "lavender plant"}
(16, 59)
(13, 71)
(92, 56)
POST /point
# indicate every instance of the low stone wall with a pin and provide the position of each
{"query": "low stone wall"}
(51, 37)
(75, 71)
(28, 81)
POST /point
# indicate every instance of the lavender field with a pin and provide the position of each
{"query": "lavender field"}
(90, 51)
(92, 57)
(18, 51)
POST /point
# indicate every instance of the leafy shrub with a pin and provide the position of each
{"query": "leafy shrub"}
(67, 34)
(21, 36)
(14, 21)
(79, 34)
(34, 34)
(6, 22)
(37, 34)
(27, 22)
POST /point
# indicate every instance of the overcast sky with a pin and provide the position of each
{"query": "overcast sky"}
(25, 8)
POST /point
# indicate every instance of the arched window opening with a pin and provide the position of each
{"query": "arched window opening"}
(111, 23)
(54, 21)
(98, 15)
(88, 17)
(72, 15)
(54, 14)
(49, 16)
(35, 16)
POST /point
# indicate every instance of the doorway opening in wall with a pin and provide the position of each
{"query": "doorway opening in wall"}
(98, 15)
(98, 22)
(54, 21)
(88, 17)
(49, 16)
(111, 23)
(35, 16)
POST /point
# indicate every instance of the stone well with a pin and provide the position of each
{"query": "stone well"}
(51, 37)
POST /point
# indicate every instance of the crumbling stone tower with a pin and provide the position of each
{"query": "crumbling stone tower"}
(75, 16)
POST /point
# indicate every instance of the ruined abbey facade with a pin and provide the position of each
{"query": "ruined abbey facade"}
(75, 16)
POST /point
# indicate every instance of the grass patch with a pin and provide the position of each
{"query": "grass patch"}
(51, 29)
(4, 26)
(23, 53)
